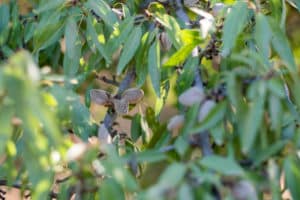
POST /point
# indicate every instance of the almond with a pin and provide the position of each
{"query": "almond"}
(76, 151)
(165, 42)
(175, 122)
(133, 95)
(191, 96)
(100, 97)
(121, 106)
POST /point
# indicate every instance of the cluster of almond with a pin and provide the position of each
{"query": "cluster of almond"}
(120, 105)
(188, 98)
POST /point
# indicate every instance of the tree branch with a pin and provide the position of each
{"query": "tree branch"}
(200, 139)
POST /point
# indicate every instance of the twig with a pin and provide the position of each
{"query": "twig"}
(112, 81)
(200, 139)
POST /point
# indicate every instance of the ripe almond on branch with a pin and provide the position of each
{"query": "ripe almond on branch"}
(191, 96)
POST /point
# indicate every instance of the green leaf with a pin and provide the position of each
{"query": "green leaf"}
(190, 36)
(154, 66)
(102, 9)
(47, 34)
(129, 49)
(180, 56)
(276, 87)
(71, 36)
(253, 117)
(275, 112)
(292, 176)
(136, 128)
(218, 133)
(119, 35)
(150, 156)
(73, 49)
(212, 119)
(265, 154)
(4, 16)
(92, 38)
(185, 192)
(184, 80)
(281, 45)
(110, 189)
(223, 165)
(172, 175)
(160, 102)
(141, 59)
(234, 23)
(262, 34)
(49, 5)
(169, 22)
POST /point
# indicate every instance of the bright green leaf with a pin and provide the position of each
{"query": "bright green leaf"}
(180, 56)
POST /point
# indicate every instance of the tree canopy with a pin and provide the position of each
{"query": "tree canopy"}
(142, 99)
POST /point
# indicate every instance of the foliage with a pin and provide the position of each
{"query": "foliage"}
(226, 66)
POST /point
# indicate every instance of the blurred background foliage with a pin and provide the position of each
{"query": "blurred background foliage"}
(53, 53)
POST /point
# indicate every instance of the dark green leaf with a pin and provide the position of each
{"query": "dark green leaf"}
(263, 34)
(234, 23)
(222, 165)
(253, 118)
(172, 175)
(136, 128)
(4, 16)
(71, 36)
(292, 175)
(154, 66)
(281, 45)
(265, 154)
(119, 35)
(150, 156)
(93, 41)
(212, 119)
(49, 5)
(102, 9)
(48, 34)
(129, 49)
(110, 189)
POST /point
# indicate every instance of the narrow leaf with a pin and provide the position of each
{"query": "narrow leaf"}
(281, 45)
(4, 16)
(292, 176)
(93, 41)
(180, 56)
(129, 49)
(262, 34)
(253, 119)
(222, 165)
(234, 23)
(102, 9)
(71, 34)
(154, 66)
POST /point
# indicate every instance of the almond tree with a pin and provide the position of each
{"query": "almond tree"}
(72, 70)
